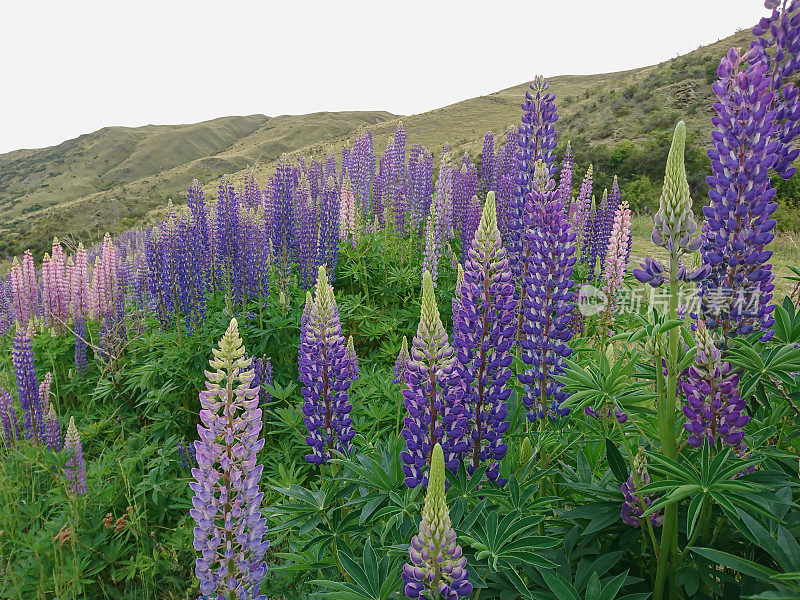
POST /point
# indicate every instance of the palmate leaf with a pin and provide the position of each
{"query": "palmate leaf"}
(712, 483)
(600, 382)
(760, 370)
(372, 580)
(787, 322)
(507, 541)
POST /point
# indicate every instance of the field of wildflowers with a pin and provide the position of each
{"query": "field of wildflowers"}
(379, 376)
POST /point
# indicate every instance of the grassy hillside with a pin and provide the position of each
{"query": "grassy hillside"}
(114, 178)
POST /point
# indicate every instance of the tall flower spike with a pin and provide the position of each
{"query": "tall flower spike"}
(229, 534)
(437, 567)
(548, 307)
(565, 182)
(28, 389)
(54, 441)
(75, 469)
(8, 418)
(352, 360)
(484, 329)
(737, 296)
(430, 258)
(324, 374)
(714, 407)
(615, 263)
(537, 142)
(674, 227)
(433, 395)
(674, 222)
(401, 364)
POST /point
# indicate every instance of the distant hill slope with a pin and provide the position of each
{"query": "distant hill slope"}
(113, 178)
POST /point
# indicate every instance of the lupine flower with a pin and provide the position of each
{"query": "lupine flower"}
(537, 142)
(580, 209)
(24, 290)
(347, 217)
(674, 222)
(635, 504)
(606, 412)
(437, 568)
(548, 307)
(469, 223)
(105, 285)
(487, 165)
(8, 418)
(443, 199)
(432, 253)
(674, 227)
(227, 500)
(483, 334)
(28, 389)
(283, 240)
(565, 182)
(352, 360)
(329, 228)
(55, 288)
(262, 366)
(53, 429)
(75, 469)
(433, 395)
(401, 364)
(778, 46)
(714, 407)
(616, 261)
(324, 374)
(456, 301)
(187, 454)
(737, 295)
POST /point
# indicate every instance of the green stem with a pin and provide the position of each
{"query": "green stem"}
(669, 534)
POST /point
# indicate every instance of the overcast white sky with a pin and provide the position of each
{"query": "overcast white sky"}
(69, 68)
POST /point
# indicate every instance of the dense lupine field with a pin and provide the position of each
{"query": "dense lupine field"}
(393, 375)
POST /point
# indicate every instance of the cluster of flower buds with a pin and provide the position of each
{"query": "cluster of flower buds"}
(675, 228)
(437, 568)
(635, 503)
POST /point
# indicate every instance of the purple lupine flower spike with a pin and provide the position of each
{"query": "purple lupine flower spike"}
(8, 418)
(324, 374)
(433, 395)
(437, 567)
(53, 427)
(401, 364)
(28, 390)
(483, 333)
(737, 296)
(714, 407)
(565, 182)
(229, 531)
(635, 504)
(778, 46)
(352, 361)
(537, 141)
(548, 307)
(75, 469)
